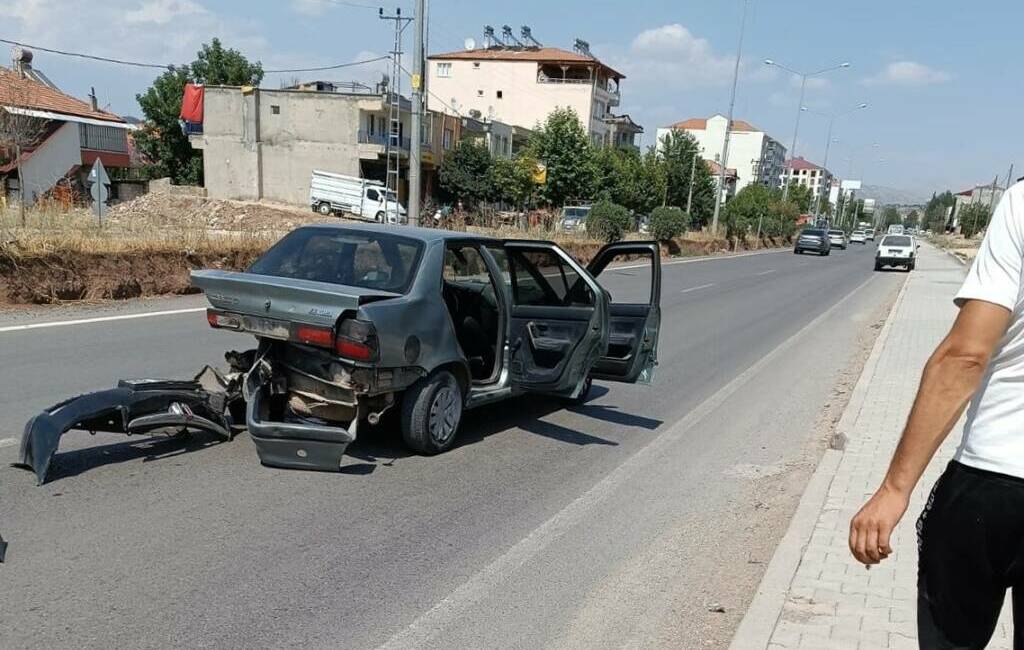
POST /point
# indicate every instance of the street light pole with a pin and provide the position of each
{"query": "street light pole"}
(728, 122)
(828, 143)
(799, 109)
(415, 152)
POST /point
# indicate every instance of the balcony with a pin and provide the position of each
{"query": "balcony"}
(381, 139)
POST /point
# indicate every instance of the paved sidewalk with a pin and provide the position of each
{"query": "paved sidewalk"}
(814, 595)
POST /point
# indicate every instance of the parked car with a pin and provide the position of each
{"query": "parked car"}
(814, 240)
(858, 237)
(896, 250)
(353, 321)
(369, 200)
(574, 218)
(837, 238)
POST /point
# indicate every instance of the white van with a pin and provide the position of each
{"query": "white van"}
(331, 193)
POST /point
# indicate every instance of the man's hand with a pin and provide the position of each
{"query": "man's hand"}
(871, 528)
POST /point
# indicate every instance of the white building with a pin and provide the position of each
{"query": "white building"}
(756, 156)
(803, 172)
(521, 86)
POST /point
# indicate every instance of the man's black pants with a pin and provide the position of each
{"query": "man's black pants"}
(971, 550)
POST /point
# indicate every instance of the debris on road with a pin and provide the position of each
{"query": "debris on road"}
(716, 608)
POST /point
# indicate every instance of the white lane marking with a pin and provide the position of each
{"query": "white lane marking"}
(766, 272)
(99, 319)
(498, 573)
(697, 288)
(7, 442)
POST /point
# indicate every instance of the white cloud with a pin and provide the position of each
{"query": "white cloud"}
(161, 12)
(908, 73)
(672, 56)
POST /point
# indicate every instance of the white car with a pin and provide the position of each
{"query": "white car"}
(858, 237)
(896, 250)
(869, 235)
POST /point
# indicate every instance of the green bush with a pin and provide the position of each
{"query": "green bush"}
(608, 221)
(668, 222)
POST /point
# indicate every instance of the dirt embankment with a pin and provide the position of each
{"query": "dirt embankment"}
(147, 247)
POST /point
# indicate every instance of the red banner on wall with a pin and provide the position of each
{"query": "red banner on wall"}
(192, 103)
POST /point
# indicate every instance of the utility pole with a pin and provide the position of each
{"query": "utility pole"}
(418, 83)
(724, 161)
(693, 171)
(393, 143)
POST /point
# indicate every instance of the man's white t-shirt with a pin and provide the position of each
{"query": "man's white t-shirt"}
(994, 433)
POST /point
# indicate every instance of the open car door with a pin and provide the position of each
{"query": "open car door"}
(630, 275)
(559, 322)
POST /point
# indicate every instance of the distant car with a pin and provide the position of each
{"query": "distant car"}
(895, 229)
(869, 235)
(574, 218)
(859, 237)
(896, 250)
(837, 238)
(814, 240)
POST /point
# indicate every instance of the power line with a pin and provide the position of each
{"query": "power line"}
(347, 3)
(169, 66)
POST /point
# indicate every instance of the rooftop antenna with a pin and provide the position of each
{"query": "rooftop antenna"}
(510, 38)
(489, 38)
(582, 47)
(527, 35)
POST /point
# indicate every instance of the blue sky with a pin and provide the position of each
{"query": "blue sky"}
(940, 76)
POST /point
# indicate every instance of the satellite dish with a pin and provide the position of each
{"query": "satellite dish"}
(469, 44)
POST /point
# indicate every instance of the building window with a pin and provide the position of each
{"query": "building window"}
(498, 94)
(444, 70)
(275, 109)
(446, 138)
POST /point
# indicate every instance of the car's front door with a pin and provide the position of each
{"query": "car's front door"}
(559, 322)
(630, 274)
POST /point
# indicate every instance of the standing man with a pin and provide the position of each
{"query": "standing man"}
(971, 533)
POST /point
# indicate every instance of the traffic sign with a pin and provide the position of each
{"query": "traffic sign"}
(98, 188)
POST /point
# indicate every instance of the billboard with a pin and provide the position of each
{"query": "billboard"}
(850, 186)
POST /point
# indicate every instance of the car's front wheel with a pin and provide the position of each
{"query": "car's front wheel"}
(431, 413)
(324, 209)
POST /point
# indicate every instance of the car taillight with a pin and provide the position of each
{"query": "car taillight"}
(312, 335)
(357, 340)
(223, 321)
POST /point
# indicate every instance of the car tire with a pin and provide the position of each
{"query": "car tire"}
(379, 217)
(878, 267)
(910, 267)
(797, 251)
(827, 253)
(431, 413)
(324, 209)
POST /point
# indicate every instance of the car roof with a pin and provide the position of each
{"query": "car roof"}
(411, 232)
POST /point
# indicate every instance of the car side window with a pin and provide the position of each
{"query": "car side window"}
(540, 277)
(372, 195)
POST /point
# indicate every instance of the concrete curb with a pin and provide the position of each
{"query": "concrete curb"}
(758, 624)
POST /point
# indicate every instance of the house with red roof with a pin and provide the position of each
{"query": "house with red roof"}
(67, 134)
(521, 84)
(756, 156)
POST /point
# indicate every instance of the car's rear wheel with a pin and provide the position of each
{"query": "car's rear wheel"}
(324, 209)
(379, 217)
(878, 266)
(797, 251)
(431, 413)
(910, 267)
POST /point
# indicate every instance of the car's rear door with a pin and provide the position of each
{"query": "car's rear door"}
(630, 274)
(559, 323)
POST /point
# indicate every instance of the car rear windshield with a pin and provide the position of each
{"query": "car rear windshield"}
(816, 233)
(576, 213)
(896, 241)
(355, 258)
(835, 232)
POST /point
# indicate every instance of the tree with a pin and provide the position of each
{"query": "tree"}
(756, 205)
(512, 180)
(891, 216)
(608, 221)
(936, 212)
(914, 219)
(161, 139)
(974, 218)
(465, 173)
(562, 146)
(801, 196)
(17, 133)
(628, 178)
(668, 222)
(682, 160)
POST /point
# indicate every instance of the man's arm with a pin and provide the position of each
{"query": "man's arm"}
(950, 378)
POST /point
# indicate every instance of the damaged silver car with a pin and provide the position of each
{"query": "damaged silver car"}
(354, 321)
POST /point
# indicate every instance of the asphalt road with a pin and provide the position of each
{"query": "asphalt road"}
(606, 525)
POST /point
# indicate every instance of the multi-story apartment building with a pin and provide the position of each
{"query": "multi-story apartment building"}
(260, 143)
(803, 172)
(756, 156)
(520, 86)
